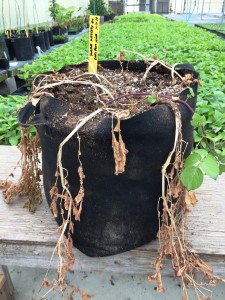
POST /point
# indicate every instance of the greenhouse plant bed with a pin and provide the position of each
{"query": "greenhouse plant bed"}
(218, 33)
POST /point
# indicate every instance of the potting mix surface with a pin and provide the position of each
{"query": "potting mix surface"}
(86, 98)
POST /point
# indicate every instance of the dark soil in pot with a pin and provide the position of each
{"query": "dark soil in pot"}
(83, 100)
(119, 211)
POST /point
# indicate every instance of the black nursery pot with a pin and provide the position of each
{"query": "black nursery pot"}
(119, 212)
(39, 40)
(46, 38)
(57, 30)
(3, 46)
(23, 48)
(50, 37)
(4, 63)
(10, 48)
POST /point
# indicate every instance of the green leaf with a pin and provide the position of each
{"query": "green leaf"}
(13, 141)
(198, 120)
(192, 159)
(191, 92)
(192, 177)
(152, 98)
(222, 168)
(202, 152)
(210, 166)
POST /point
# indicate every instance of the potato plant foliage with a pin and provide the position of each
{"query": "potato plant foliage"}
(174, 42)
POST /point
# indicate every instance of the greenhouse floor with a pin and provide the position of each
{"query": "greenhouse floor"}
(102, 285)
(196, 18)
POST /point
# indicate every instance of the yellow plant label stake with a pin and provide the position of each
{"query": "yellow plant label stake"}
(93, 43)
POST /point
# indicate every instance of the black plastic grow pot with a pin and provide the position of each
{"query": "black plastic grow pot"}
(23, 48)
(39, 41)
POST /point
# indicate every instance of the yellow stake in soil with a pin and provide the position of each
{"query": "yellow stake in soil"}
(93, 43)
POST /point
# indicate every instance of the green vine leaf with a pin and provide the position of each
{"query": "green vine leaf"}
(13, 140)
(192, 177)
(210, 166)
(202, 152)
(152, 98)
(192, 159)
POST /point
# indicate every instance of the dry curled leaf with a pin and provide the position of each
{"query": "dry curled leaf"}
(190, 198)
(119, 150)
(152, 278)
(121, 55)
(187, 79)
(77, 209)
(54, 196)
(78, 201)
(67, 200)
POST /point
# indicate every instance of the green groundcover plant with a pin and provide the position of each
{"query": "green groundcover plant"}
(217, 27)
(174, 42)
(9, 129)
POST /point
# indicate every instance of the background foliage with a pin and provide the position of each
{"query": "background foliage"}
(9, 129)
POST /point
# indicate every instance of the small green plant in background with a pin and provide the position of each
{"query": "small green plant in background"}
(9, 128)
(58, 39)
(62, 16)
(217, 27)
(97, 7)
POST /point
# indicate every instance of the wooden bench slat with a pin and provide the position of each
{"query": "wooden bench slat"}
(29, 239)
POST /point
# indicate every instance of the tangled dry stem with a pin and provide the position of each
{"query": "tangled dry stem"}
(29, 181)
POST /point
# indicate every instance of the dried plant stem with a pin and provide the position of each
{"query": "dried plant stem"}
(59, 156)
(172, 226)
(156, 62)
(67, 81)
(29, 181)
(137, 53)
(98, 76)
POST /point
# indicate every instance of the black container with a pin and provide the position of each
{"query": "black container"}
(57, 30)
(39, 40)
(46, 38)
(4, 63)
(23, 48)
(10, 48)
(106, 18)
(21, 91)
(119, 212)
(50, 36)
(3, 47)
